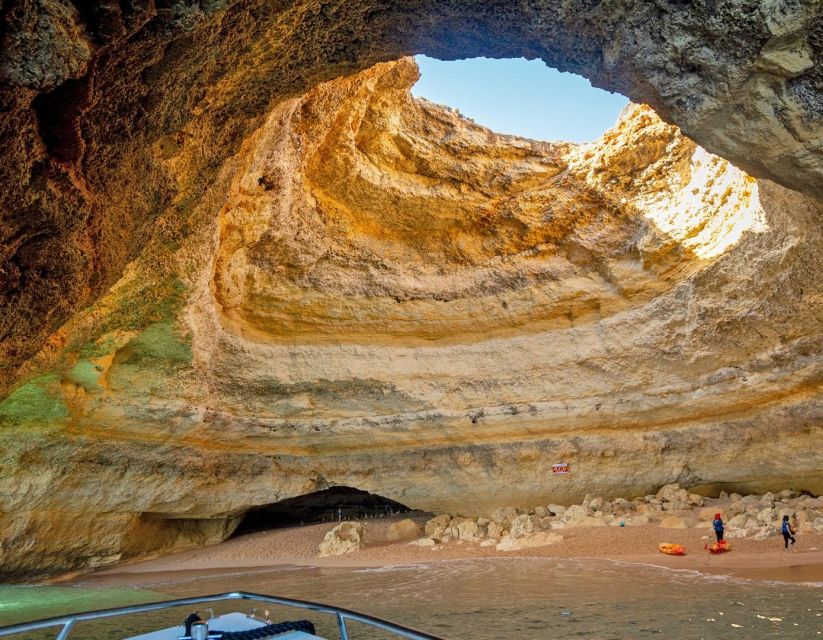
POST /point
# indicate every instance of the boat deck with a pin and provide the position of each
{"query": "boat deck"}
(227, 622)
(232, 623)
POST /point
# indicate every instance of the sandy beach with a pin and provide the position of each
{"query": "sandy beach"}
(765, 560)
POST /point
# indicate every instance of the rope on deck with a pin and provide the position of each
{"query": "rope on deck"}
(268, 631)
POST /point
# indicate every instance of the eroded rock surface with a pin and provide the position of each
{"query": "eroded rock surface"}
(344, 538)
(117, 118)
(377, 293)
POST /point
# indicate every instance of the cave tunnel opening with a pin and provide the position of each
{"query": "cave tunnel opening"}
(520, 97)
(328, 505)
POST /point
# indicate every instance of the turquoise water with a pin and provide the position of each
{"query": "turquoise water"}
(25, 603)
(22, 603)
(490, 598)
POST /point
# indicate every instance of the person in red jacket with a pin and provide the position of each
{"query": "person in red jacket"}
(719, 527)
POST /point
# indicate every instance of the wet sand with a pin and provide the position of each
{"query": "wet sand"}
(297, 546)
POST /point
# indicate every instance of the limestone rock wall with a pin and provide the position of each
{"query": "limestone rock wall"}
(377, 293)
(116, 119)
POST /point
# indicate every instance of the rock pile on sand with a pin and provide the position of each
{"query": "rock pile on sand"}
(751, 516)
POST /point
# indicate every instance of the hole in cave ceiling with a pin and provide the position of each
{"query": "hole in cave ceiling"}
(520, 97)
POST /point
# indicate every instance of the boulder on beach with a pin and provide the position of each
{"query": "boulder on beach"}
(735, 508)
(344, 538)
(767, 516)
(503, 516)
(521, 526)
(424, 542)
(594, 504)
(695, 500)
(468, 530)
(556, 509)
(765, 533)
(673, 495)
(495, 530)
(406, 529)
(436, 527)
(540, 539)
(808, 502)
(575, 514)
(620, 506)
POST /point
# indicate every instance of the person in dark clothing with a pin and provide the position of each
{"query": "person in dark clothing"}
(719, 527)
(788, 533)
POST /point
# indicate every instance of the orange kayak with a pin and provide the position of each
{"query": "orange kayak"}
(719, 547)
(672, 549)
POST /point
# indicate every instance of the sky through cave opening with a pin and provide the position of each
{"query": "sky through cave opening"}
(520, 97)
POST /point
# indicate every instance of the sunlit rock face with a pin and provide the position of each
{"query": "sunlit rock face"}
(375, 292)
(406, 224)
(97, 97)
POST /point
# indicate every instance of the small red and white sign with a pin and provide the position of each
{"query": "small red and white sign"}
(560, 467)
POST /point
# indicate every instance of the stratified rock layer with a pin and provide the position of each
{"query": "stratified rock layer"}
(116, 118)
(377, 293)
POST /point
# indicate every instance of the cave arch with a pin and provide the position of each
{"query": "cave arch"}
(326, 505)
(128, 114)
(127, 131)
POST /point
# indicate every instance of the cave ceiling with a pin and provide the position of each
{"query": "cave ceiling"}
(239, 262)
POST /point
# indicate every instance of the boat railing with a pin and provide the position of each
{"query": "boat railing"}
(67, 623)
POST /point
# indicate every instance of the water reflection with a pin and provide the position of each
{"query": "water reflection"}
(528, 598)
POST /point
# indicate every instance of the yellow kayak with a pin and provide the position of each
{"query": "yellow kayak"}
(672, 549)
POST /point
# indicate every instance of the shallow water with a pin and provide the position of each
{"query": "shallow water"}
(494, 598)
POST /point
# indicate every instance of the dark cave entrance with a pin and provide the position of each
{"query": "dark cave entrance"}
(328, 505)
